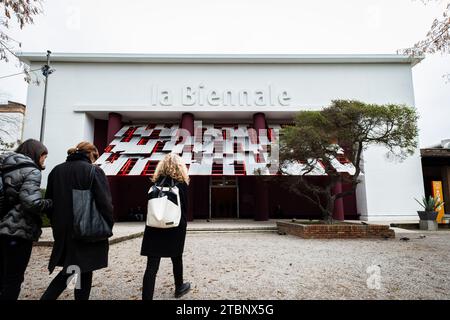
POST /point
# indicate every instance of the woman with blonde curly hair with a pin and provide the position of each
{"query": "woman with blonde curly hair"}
(157, 242)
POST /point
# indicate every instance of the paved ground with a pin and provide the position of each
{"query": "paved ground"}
(125, 230)
(121, 231)
(270, 266)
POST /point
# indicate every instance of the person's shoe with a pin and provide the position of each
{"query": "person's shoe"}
(182, 290)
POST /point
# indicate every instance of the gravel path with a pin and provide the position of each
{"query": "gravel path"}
(270, 266)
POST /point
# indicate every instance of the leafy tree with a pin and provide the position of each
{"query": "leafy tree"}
(24, 12)
(437, 38)
(355, 126)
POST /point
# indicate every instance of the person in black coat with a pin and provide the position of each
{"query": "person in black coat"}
(20, 223)
(76, 255)
(167, 242)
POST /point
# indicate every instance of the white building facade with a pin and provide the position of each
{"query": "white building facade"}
(102, 98)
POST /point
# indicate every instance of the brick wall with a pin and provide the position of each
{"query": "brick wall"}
(335, 231)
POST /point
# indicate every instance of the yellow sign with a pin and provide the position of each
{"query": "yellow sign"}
(437, 193)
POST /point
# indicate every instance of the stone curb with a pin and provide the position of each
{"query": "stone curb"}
(194, 231)
(112, 241)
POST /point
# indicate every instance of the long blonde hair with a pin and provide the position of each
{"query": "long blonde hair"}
(172, 166)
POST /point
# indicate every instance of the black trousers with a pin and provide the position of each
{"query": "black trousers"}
(15, 254)
(148, 286)
(59, 284)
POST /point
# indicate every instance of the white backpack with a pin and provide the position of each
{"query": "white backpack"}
(164, 206)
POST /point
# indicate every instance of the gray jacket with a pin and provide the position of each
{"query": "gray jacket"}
(23, 197)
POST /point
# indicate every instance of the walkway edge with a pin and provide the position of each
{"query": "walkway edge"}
(193, 231)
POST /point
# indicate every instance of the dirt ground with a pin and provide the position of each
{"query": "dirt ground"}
(271, 266)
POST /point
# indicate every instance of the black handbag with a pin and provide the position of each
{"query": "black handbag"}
(88, 223)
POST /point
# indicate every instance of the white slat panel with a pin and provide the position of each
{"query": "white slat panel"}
(186, 156)
(198, 147)
(340, 167)
(250, 158)
(122, 131)
(157, 156)
(117, 165)
(253, 147)
(217, 156)
(106, 167)
(228, 159)
(132, 147)
(178, 148)
(264, 157)
(189, 140)
(174, 131)
(228, 169)
(103, 158)
(200, 169)
(169, 146)
(139, 131)
(241, 145)
(165, 132)
(115, 141)
(147, 132)
(138, 167)
(208, 147)
(207, 158)
(147, 148)
(240, 132)
(239, 156)
(264, 140)
(228, 147)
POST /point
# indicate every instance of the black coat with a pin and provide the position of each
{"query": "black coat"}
(159, 242)
(75, 174)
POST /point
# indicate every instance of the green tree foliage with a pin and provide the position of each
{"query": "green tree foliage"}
(21, 12)
(355, 126)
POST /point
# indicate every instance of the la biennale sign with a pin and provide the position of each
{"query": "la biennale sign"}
(202, 95)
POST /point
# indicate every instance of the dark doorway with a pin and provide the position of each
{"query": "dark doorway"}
(223, 198)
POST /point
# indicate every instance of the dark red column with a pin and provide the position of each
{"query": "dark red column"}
(187, 122)
(100, 134)
(261, 193)
(114, 125)
(338, 212)
(259, 122)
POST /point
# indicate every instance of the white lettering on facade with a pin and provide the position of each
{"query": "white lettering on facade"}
(202, 95)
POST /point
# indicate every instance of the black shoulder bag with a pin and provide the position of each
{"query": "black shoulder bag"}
(88, 223)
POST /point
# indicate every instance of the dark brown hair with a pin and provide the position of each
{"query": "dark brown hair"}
(33, 149)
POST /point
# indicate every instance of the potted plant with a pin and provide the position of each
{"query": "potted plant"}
(428, 217)
(431, 206)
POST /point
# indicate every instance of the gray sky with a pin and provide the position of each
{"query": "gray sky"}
(245, 26)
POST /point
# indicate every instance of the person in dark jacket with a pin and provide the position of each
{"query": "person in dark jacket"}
(76, 255)
(21, 224)
(157, 242)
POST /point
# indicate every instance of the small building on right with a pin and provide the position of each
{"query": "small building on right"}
(436, 174)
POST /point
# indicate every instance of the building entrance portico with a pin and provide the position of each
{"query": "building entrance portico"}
(223, 197)
(229, 111)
